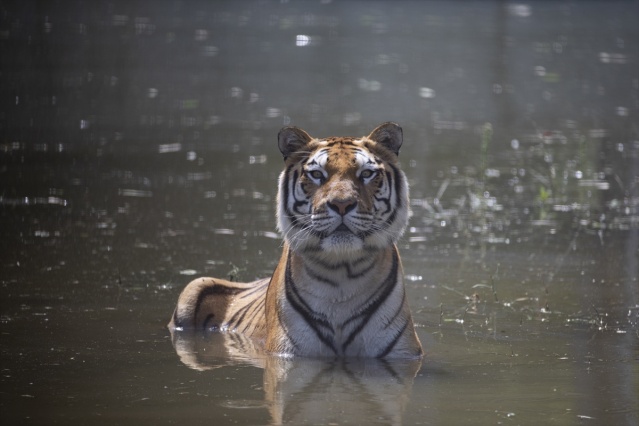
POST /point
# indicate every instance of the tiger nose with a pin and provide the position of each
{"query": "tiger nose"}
(342, 206)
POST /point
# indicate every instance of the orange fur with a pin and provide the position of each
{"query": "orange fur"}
(337, 289)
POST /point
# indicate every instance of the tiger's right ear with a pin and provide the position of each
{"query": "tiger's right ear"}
(291, 140)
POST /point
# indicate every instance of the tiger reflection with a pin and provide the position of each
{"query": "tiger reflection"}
(309, 390)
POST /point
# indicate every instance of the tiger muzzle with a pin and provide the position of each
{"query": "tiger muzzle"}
(342, 207)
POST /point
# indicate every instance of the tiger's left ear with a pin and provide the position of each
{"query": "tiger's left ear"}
(291, 140)
(389, 135)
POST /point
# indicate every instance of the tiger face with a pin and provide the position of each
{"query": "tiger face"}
(340, 196)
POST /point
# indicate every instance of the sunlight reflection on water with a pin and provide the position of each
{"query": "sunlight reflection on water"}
(139, 151)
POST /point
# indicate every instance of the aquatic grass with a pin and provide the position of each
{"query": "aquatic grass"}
(553, 180)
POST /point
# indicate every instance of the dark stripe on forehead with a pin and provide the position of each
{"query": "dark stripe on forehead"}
(311, 160)
(372, 159)
(343, 145)
(335, 149)
(343, 139)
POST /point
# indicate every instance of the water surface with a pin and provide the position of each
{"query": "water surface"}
(138, 152)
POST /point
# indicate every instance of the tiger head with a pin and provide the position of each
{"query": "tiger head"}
(342, 195)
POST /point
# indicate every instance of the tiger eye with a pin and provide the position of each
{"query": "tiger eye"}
(316, 174)
(367, 174)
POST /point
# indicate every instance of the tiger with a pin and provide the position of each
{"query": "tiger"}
(337, 290)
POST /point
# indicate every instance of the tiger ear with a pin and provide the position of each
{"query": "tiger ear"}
(291, 140)
(389, 135)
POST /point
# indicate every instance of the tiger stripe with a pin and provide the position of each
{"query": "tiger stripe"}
(316, 321)
(337, 290)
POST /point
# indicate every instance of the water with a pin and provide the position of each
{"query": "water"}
(138, 151)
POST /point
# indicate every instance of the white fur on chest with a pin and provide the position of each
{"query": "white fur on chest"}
(349, 311)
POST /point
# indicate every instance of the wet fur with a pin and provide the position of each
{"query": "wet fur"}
(337, 290)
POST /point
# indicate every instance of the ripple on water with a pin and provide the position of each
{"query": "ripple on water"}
(244, 404)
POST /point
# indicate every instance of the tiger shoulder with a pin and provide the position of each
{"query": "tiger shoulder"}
(337, 290)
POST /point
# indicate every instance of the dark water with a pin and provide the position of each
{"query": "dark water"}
(138, 151)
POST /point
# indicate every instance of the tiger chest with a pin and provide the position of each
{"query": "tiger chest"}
(344, 311)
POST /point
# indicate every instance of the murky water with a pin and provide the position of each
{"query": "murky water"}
(138, 151)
